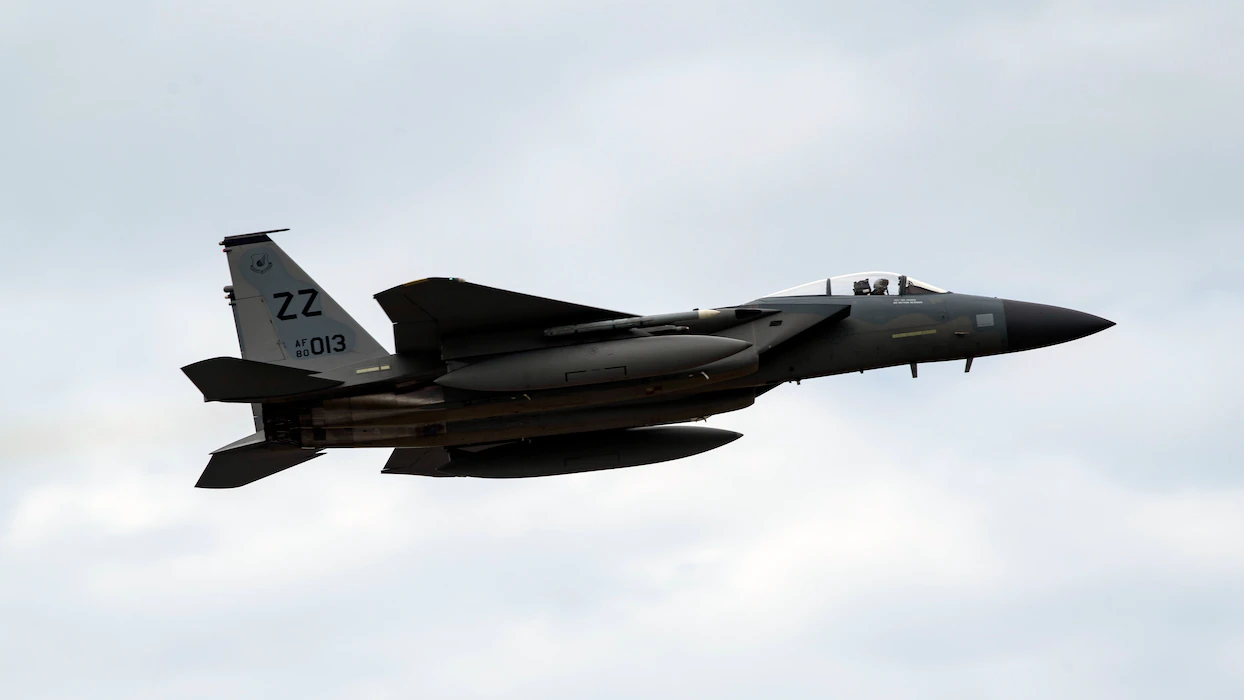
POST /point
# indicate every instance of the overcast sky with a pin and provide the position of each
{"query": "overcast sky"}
(1064, 523)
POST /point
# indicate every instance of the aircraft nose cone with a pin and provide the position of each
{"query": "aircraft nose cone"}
(1031, 326)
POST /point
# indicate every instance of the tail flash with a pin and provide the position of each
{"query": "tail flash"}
(283, 317)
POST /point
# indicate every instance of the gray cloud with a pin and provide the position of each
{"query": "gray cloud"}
(1058, 523)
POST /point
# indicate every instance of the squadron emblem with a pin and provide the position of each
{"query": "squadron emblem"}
(261, 263)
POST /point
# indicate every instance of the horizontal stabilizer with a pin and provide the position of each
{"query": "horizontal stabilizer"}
(245, 381)
(250, 459)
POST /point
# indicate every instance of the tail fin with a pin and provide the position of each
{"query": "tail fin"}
(283, 317)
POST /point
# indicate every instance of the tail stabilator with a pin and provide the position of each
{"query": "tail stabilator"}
(250, 459)
(243, 381)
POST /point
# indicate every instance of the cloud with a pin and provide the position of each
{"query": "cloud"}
(1056, 523)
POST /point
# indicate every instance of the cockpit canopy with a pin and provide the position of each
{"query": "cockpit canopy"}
(862, 284)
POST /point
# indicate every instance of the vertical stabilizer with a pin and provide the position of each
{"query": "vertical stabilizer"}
(283, 316)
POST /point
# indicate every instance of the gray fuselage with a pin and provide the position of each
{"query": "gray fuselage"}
(794, 338)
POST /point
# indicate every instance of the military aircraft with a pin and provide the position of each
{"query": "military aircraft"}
(492, 383)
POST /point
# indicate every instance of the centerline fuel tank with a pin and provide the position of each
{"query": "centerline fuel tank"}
(593, 363)
(586, 452)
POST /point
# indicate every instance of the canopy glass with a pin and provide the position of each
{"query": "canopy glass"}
(862, 284)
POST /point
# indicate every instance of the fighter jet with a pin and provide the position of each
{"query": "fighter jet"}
(496, 384)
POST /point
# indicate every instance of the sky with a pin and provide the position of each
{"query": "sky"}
(1067, 522)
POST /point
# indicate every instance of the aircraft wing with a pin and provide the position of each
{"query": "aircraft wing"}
(426, 310)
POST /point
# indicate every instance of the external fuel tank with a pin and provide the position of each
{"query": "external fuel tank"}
(593, 363)
(563, 454)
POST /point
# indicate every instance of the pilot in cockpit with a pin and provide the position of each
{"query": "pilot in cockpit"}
(881, 286)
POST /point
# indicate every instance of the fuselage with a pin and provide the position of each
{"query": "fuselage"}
(795, 338)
